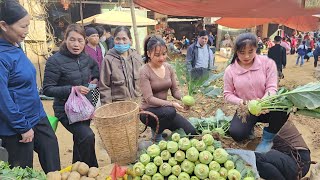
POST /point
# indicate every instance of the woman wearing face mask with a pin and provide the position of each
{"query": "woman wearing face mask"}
(24, 126)
(248, 77)
(71, 67)
(119, 72)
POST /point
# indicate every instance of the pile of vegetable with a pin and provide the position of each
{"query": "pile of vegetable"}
(303, 100)
(18, 173)
(184, 159)
(219, 123)
(78, 171)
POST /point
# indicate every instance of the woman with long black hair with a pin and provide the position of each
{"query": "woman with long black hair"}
(248, 77)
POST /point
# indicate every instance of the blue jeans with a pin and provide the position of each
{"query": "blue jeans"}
(302, 60)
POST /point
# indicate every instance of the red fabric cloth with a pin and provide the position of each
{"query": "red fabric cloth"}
(312, 44)
(301, 23)
(228, 8)
(241, 23)
(293, 42)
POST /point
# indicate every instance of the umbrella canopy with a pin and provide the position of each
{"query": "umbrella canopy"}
(229, 8)
(118, 18)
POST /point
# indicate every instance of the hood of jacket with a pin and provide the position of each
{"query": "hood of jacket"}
(132, 53)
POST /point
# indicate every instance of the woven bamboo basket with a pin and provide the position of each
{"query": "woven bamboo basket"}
(117, 124)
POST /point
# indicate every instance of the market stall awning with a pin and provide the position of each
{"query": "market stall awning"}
(242, 23)
(182, 19)
(118, 18)
(301, 23)
(229, 8)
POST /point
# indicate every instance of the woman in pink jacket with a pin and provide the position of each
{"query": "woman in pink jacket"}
(251, 76)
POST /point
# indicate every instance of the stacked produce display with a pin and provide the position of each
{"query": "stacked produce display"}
(184, 159)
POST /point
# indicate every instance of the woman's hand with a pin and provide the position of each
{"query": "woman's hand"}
(27, 136)
(178, 107)
(95, 81)
(83, 90)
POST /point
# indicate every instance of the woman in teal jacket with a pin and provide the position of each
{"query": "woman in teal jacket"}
(24, 126)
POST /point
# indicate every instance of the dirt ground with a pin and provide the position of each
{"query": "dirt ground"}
(294, 75)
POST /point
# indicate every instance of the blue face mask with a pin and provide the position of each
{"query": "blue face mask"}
(121, 48)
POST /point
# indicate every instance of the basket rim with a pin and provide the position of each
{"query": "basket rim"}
(118, 102)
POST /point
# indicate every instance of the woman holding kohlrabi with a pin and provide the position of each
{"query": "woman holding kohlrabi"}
(249, 77)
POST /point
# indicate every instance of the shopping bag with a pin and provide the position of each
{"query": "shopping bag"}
(78, 107)
(53, 122)
(310, 54)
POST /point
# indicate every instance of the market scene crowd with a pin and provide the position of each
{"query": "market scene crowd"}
(99, 63)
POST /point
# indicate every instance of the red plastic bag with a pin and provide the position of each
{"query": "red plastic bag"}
(118, 172)
(78, 107)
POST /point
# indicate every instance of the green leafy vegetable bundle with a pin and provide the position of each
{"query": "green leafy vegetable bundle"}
(219, 123)
(203, 84)
(18, 173)
(303, 100)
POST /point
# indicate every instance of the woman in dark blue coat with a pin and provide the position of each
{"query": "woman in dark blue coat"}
(24, 126)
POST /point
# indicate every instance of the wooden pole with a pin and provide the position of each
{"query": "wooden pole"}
(81, 13)
(134, 25)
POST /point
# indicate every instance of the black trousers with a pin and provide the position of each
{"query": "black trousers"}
(83, 140)
(280, 73)
(240, 131)
(315, 64)
(200, 74)
(168, 119)
(307, 57)
(275, 165)
(44, 143)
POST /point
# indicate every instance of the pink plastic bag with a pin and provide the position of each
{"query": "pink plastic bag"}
(78, 107)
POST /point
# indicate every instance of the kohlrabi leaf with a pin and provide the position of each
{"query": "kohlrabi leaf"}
(219, 115)
(212, 78)
(307, 96)
(214, 93)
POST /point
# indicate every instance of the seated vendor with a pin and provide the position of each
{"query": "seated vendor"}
(156, 78)
(289, 158)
